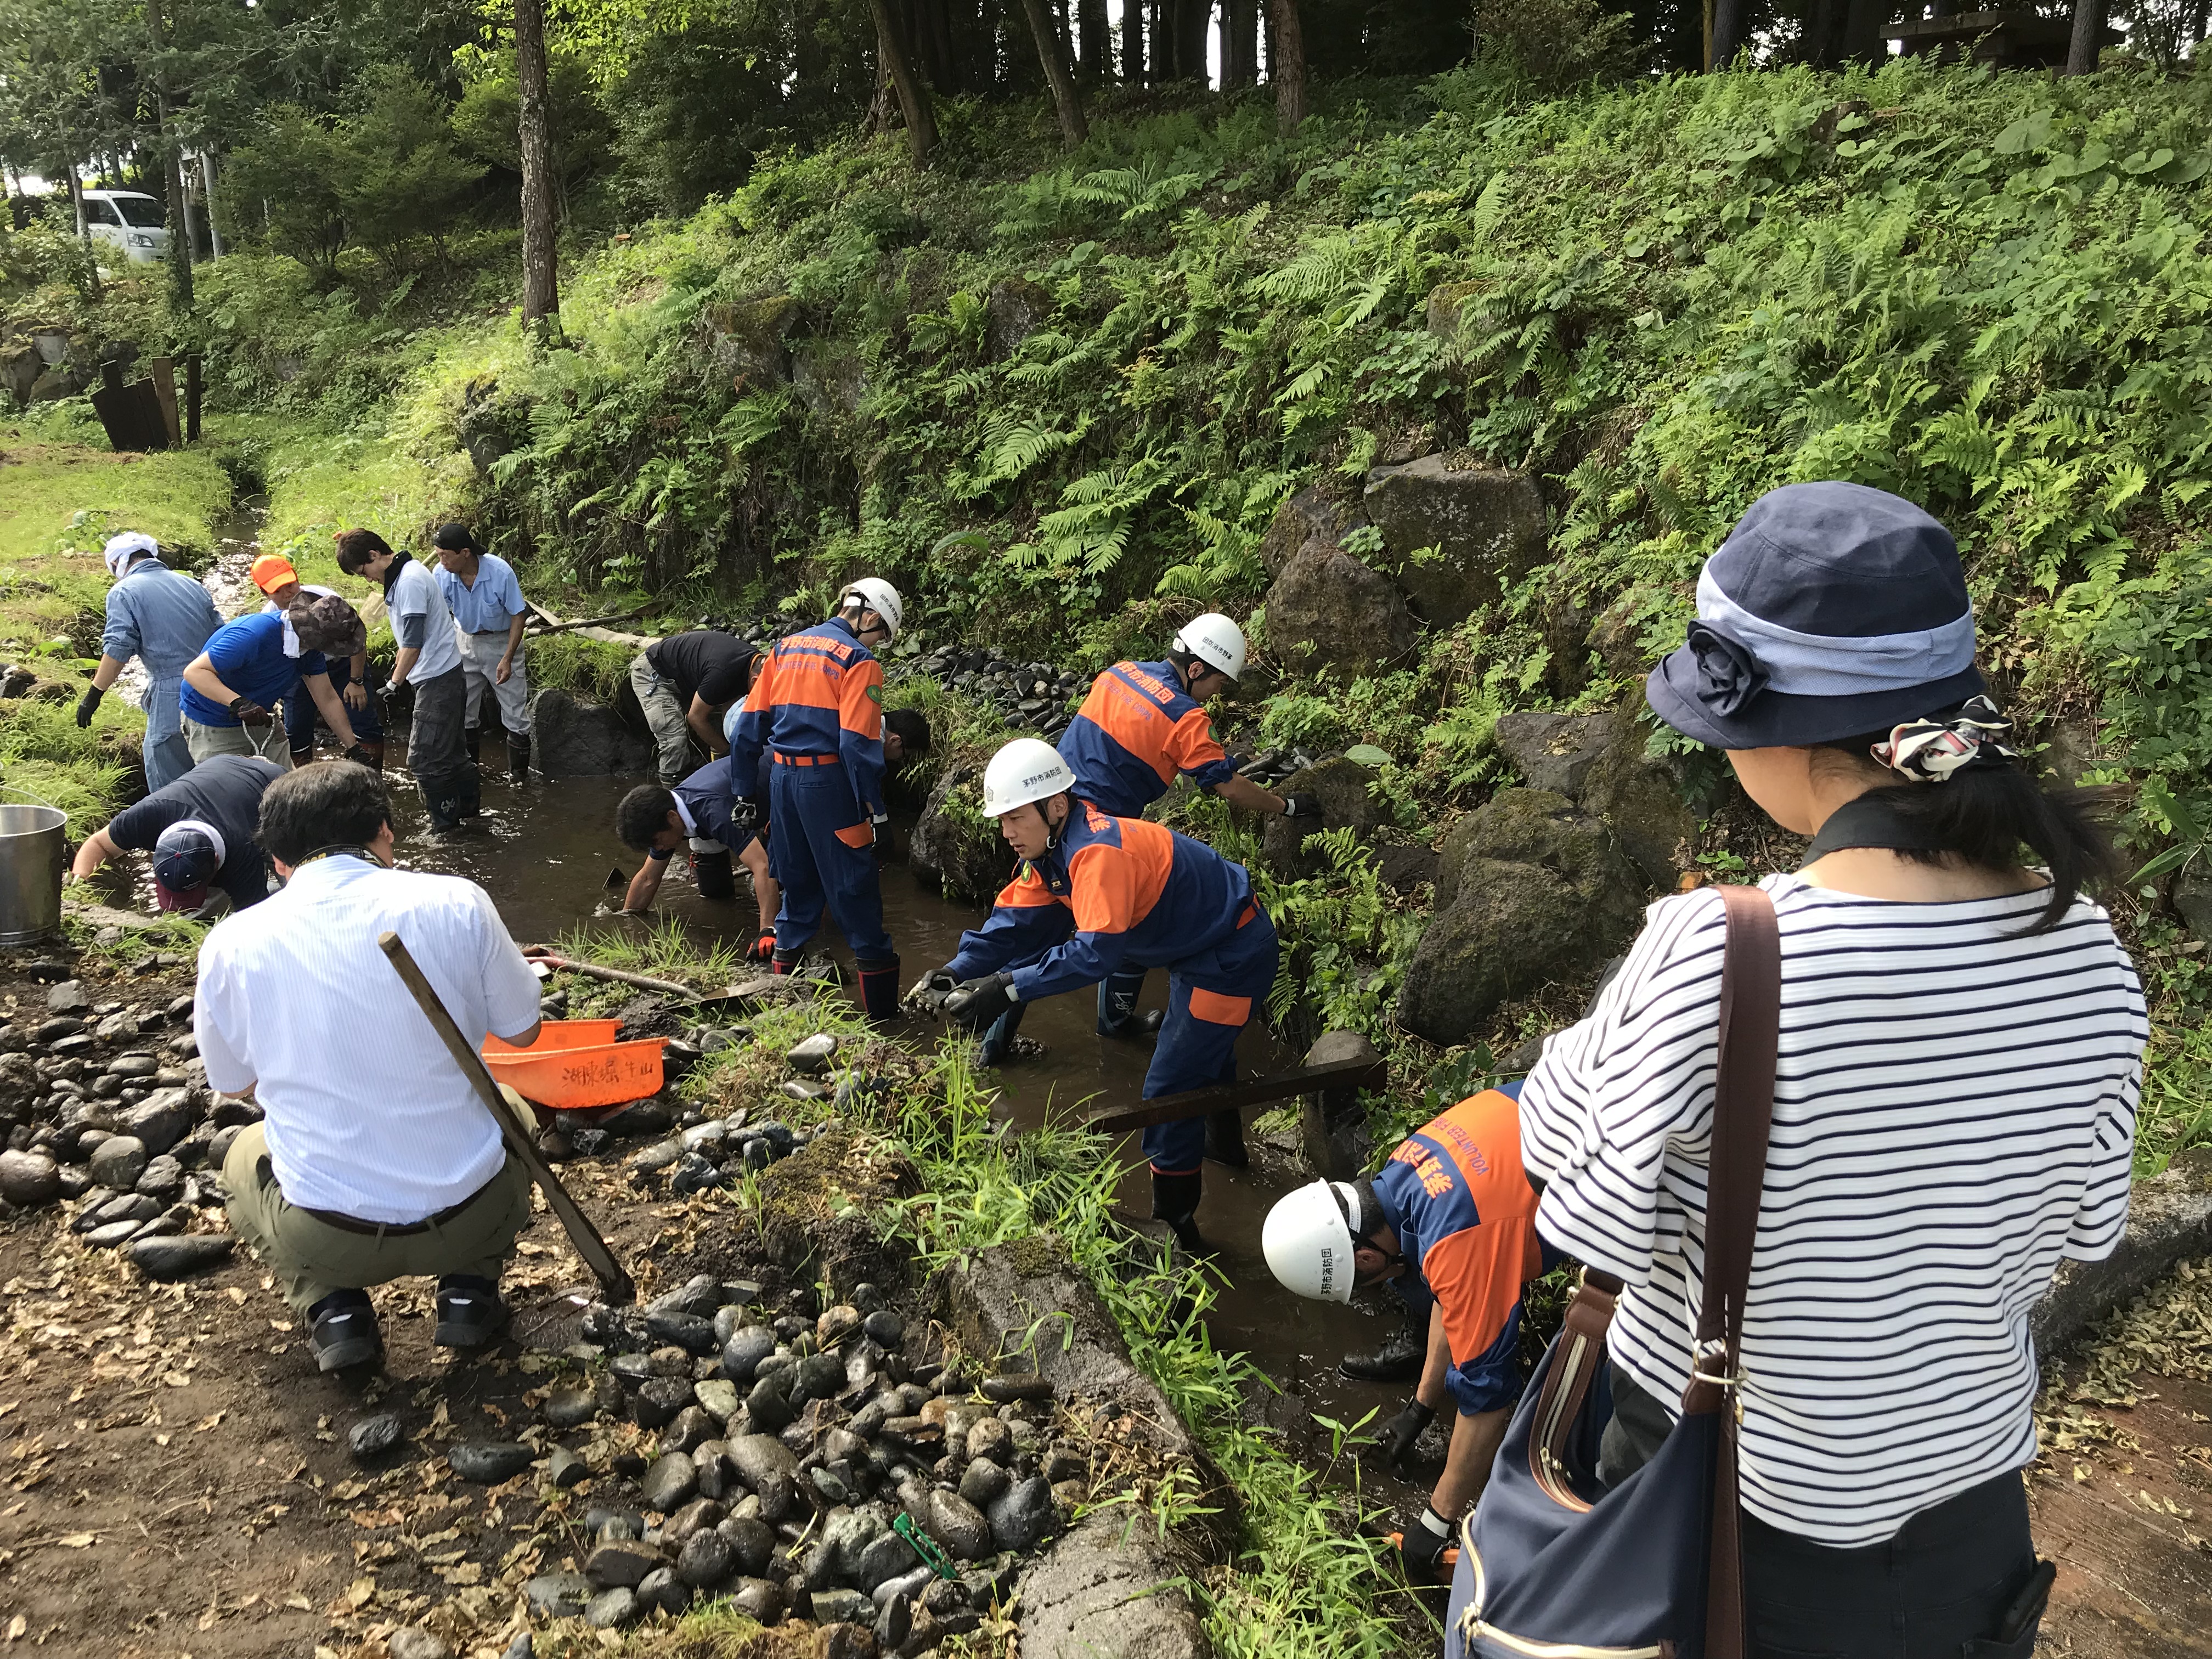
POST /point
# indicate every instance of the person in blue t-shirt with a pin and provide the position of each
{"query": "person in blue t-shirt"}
(231, 687)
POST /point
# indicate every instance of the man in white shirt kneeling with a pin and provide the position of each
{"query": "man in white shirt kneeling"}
(375, 1159)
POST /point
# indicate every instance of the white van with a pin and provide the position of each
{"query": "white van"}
(127, 223)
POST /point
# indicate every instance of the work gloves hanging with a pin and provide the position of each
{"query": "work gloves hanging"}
(88, 705)
(1400, 1433)
(979, 1002)
(1301, 806)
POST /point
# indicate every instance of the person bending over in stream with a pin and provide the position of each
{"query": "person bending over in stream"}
(202, 831)
(1096, 894)
(375, 1159)
(656, 819)
(232, 688)
(1450, 1220)
(162, 617)
(274, 575)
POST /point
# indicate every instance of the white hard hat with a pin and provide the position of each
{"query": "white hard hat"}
(879, 596)
(1307, 1243)
(1216, 641)
(1026, 769)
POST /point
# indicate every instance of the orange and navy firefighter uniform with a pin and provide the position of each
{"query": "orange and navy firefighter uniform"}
(1116, 892)
(813, 723)
(1461, 1204)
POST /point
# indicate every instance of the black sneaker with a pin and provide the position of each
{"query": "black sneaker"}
(471, 1312)
(342, 1331)
(1398, 1360)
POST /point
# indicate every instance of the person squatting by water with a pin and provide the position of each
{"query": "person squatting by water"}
(1143, 725)
(1096, 894)
(375, 1159)
(253, 663)
(1448, 1222)
(202, 830)
(273, 573)
(811, 731)
(486, 599)
(429, 660)
(164, 618)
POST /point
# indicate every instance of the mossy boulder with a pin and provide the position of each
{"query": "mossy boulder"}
(743, 341)
(1456, 536)
(954, 845)
(1309, 517)
(1531, 890)
(1015, 309)
(1641, 798)
(1329, 611)
(1341, 786)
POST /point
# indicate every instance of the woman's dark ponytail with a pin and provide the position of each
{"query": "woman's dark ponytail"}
(1985, 813)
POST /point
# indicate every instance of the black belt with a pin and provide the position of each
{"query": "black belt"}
(488, 633)
(351, 1224)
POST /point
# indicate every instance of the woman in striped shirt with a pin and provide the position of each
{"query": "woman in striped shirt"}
(1961, 1049)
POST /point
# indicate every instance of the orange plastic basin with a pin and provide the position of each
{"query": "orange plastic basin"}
(574, 1076)
(561, 1034)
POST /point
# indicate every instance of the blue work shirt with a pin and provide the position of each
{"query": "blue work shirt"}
(248, 656)
(705, 805)
(159, 616)
(491, 604)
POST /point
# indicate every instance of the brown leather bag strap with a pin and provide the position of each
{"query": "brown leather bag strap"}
(1743, 1115)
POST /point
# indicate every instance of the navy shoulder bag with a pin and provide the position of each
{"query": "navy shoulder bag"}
(1551, 1565)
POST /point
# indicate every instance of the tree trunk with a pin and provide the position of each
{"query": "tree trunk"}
(1193, 21)
(2089, 37)
(541, 276)
(1728, 38)
(1073, 130)
(207, 188)
(84, 229)
(1094, 39)
(1159, 36)
(1863, 22)
(165, 148)
(1240, 43)
(914, 102)
(1132, 42)
(1287, 68)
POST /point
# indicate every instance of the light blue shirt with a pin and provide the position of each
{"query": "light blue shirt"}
(491, 604)
(160, 617)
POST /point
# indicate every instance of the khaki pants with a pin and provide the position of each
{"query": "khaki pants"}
(668, 717)
(311, 1258)
(480, 655)
(205, 741)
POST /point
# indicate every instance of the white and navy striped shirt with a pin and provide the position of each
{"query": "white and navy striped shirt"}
(1954, 1111)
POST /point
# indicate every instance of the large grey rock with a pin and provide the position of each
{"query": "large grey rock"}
(1332, 1123)
(1307, 517)
(1553, 751)
(1022, 1517)
(2169, 1217)
(830, 380)
(621, 1562)
(1456, 536)
(1329, 610)
(1096, 1593)
(1340, 785)
(1640, 798)
(175, 1257)
(613, 1609)
(575, 737)
(117, 1162)
(743, 340)
(1531, 890)
(1015, 309)
(29, 1179)
(954, 844)
(557, 1594)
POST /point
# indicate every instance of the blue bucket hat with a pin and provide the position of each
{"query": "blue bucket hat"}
(1830, 609)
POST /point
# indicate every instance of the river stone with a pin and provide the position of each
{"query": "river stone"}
(814, 1055)
(557, 1594)
(413, 1642)
(1023, 1516)
(760, 1458)
(894, 1620)
(1329, 610)
(759, 1599)
(836, 1324)
(487, 1462)
(958, 1525)
(687, 1331)
(114, 1234)
(669, 1484)
(883, 1328)
(29, 1179)
(161, 1119)
(620, 1561)
(659, 1400)
(1006, 1388)
(843, 1607)
(992, 1437)
(570, 1406)
(67, 998)
(661, 1591)
(692, 1428)
(576, 738)
(700, 1514)
(751, 1542)
(173, 1258)
(885, 1558)
(818, 1377)
(564, 1468)
(373, 1436)
(1485, 525)
(983, 1482)
(164, 1178)
(717, 1397)
(767, 1406)
(610, 1609)
(117, 1162)
(745, 1349)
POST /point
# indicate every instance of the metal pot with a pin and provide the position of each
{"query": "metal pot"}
(32, 859)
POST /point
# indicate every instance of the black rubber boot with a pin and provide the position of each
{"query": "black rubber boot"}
(1398, 1360)
(374, 748)
(471, 1312)
(1175, 1201)
(473, 736)
(1225, 1141)
(712, 872)
(342, 1331)
(880, 987)
(782, 961)
(518, 758)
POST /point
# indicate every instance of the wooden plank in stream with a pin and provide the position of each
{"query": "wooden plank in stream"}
(1255, 1091)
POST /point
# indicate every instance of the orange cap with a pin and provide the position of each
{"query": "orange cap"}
(272, 571)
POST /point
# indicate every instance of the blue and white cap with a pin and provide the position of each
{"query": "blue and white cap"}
(1830, 609)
